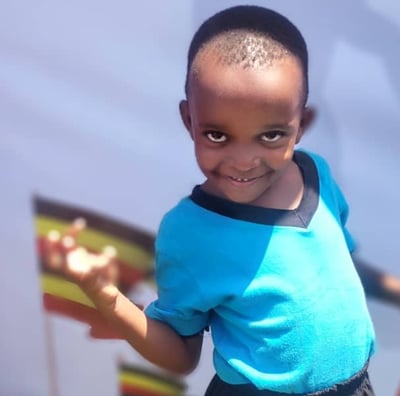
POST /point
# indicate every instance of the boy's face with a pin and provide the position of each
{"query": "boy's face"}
(245, 124)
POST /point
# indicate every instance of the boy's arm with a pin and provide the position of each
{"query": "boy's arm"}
(96, 275)
(376, 283)
(154, 340)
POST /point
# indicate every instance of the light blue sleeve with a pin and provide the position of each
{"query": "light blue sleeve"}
(179, 302)
(341, 203)
(344, 214)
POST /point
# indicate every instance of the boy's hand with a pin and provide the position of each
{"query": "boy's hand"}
(95, 273)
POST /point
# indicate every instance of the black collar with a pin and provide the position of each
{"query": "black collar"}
(299, 217)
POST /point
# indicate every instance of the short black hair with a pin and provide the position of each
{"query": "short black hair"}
(270, 34)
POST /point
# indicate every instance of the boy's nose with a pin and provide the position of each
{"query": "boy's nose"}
(244, 159)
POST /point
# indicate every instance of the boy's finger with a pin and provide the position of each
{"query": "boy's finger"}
(68, 241)
(79, 261)
(76, 227)
(53, 236)
(52, 254)
(110, 252)
(99, 260)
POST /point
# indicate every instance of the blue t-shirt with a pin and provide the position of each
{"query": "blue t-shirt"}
(278, 288)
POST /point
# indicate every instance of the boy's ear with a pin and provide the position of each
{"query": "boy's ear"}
(308, 118)
(185, 115)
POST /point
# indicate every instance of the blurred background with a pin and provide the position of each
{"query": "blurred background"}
(89, 94)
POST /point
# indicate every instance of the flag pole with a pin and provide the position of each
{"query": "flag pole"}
(51, 356)
(48, 333)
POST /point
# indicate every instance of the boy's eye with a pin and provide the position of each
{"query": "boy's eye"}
(272, 136)
(215, 136)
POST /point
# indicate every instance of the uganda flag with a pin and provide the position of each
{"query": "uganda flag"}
(136, 381)
(135, 252)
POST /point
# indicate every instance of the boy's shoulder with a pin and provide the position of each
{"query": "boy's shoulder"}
(181, 213)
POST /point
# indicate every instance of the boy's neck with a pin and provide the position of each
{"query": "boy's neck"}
(286, 193)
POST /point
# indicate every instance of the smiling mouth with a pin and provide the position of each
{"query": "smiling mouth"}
(242, 179)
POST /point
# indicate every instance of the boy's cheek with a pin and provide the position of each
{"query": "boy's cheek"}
(207, 158)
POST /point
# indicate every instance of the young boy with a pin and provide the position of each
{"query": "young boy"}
(259, 252)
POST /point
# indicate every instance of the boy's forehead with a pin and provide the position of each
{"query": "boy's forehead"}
(281, 82)
(244, 47)
(218, 58)
(209, 70)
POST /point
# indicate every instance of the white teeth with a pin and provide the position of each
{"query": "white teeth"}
(239, 179)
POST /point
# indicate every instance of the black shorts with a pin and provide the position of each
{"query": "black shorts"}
(358, 385)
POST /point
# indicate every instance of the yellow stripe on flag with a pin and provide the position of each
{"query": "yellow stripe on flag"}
(149, 383)
(63, 288)
(130, 253)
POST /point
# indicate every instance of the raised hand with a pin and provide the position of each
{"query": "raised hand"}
(95, 273)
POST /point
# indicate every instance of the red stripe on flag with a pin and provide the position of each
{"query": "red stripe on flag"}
(100, 328)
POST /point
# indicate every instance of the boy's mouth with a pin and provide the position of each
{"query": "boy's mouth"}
(242, 179)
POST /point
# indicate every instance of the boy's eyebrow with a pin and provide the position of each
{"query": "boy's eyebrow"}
(284, 125)
(210, 126)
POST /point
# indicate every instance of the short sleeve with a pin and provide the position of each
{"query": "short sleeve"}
(344, 214)
(179, 302)
(340, 202)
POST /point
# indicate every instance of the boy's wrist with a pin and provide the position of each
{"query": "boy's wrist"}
(104, 298)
